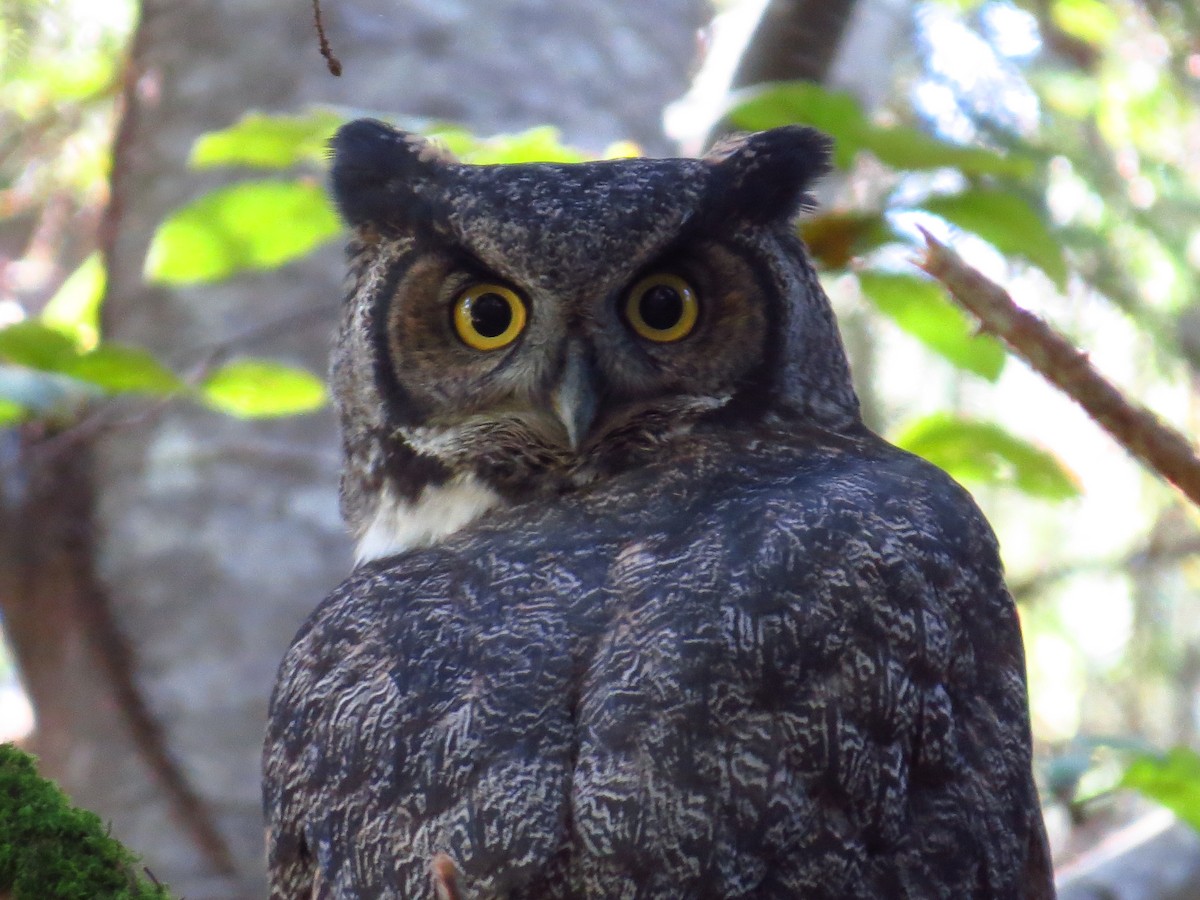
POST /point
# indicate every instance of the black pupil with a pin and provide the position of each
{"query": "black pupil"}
(661, 307)
(490, 315)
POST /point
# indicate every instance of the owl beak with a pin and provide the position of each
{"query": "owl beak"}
(575, 396)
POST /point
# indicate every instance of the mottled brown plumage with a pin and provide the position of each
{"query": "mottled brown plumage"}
(635, 617)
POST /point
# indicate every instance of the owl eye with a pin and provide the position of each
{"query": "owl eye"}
(488, 316)
(662, 308)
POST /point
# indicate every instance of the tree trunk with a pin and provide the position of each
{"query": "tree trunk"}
(850, 45)
(795, 40)
(152, 582)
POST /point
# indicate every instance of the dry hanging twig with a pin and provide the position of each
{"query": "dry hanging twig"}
(335, 64)
(1135, 428)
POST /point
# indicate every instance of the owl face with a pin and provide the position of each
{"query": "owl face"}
(526, 328)
(486, 341)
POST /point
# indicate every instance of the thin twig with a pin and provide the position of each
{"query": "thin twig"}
(102, 420)
(1039, 582)
(106, 419)
(334, 64)
(1136, 428)
(285, 324)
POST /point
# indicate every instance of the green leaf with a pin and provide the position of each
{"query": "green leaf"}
(253, 388)
(44, 394)
(1172, 780)
(43, 82)
(985, 453)
(840, 115)
(1008, 223)
(112, 367)
(252, 225)
(75, 308)
(271, 141)
(266, 141)
(902, 147)
(36, 345)
(920, 307)
(1084, 758)
(836, 113)
(1075, 94)
(541, 144)
(119, 369)
(1089, 20)
(10, 413)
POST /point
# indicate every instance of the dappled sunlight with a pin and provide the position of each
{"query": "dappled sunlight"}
(16, 712)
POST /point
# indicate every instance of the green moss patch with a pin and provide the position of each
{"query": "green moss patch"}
(51, 850)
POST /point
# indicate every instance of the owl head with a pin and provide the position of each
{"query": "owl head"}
(520, 329)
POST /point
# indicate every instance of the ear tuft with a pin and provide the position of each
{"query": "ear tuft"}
(375, 166)
(765, 176)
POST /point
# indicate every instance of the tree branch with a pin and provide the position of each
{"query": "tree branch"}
(1149, 557)
(1160, 447)
(794, 40)
(110, 417)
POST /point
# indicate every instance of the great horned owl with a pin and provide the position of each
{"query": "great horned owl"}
(642, 608)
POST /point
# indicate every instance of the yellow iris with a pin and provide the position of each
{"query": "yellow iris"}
(662, 308)
(488, 316)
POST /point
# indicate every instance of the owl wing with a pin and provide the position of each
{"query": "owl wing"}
(424, 709)
(814, 689)
(796, 676)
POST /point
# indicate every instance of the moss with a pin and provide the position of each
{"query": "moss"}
(51, 850)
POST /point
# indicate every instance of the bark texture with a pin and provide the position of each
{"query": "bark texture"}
(794, 40)
(208, 539)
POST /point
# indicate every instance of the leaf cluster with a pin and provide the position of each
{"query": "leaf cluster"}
(240, 227)
(993, 202)
(253, 224)
(262, 223)
(53, 366)
(57, 89)
(1109, 212)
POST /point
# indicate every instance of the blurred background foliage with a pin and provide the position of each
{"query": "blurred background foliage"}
(1054, 143)
(60, 68)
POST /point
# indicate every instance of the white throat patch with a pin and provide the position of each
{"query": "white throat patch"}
(400, 525)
